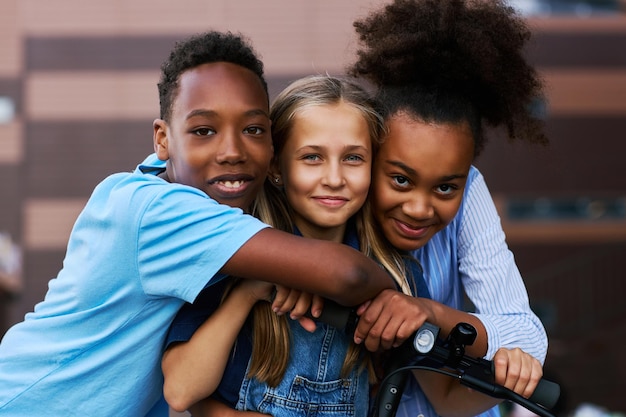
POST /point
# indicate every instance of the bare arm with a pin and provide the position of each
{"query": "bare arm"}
(193, 369)
(213, 408)
(332, 270)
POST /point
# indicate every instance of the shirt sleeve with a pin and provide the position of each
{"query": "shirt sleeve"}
(185, 238)
(492, 280)
(192, 315)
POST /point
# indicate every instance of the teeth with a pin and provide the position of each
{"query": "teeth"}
(232, 184)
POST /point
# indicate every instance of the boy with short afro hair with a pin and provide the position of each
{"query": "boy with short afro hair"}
(149, 240)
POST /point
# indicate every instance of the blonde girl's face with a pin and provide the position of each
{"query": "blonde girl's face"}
(325, 168)
(418, 179)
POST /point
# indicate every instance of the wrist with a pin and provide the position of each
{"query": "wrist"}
(244, 296)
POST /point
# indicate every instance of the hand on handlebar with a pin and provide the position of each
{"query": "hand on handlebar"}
(389, 319)
(517, 371)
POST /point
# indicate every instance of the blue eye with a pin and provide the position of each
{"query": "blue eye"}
(354, 158)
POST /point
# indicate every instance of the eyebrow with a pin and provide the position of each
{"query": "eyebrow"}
(413, 172)
(210, 113)
(403, 167)
(346, 148)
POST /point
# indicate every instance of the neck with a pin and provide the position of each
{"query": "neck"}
(333, 234)
(163, 175)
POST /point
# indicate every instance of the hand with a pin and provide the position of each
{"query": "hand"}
(389, 319)
(517, 370)
(297, 304)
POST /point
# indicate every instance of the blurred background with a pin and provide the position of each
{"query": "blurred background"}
(78, 96)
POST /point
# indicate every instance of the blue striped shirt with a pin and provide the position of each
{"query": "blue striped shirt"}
(470, 255)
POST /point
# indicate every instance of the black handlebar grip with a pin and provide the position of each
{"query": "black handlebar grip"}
(341, 317)
(546, 394)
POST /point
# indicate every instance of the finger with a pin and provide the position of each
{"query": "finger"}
(525, 374)
(536, 373)
(401, 319)
(363, 307)
(280, 296)
(374, 339)
(291, 301)
(303, 304)
(307, 324)
(317, 305)
(390, 331)
(366, 320)
(406, 329)
(285, 300)
(500, 363)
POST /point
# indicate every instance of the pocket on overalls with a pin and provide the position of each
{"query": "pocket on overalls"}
(319, 399)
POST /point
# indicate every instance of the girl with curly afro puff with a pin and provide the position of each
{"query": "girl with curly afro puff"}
(448, 74)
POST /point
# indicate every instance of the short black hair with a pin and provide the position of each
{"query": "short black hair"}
(449, 61)
(204, 48)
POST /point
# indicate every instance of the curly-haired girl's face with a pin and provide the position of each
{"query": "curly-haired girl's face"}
(419, 177)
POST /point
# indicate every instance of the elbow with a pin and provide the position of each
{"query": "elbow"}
(356, 286)
(176, 390)
(176, 397)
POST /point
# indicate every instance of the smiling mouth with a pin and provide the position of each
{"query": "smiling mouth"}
(331, 201)
(229, 188)
(413, 232)
(230, 184)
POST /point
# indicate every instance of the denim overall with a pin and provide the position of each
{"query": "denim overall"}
(312, 386)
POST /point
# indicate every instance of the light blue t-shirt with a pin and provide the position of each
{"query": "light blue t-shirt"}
(140, 248)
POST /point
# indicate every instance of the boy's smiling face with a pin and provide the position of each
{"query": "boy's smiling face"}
(218, 139)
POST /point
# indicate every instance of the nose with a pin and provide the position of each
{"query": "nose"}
(231, 149)
(419, 206)
(334, 176)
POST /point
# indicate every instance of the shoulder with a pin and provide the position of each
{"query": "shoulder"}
(475, 181)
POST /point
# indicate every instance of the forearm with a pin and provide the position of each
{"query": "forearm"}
(446, 318)
(329, 269)
(193, 369)
(451, 399)
(210, 407)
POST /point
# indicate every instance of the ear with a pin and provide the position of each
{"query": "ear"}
(274, 174)
(159, 138)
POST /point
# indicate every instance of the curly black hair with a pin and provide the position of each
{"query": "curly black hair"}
(452, 60)
(201, 49)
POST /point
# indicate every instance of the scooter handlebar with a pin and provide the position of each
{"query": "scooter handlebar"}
(476, 373)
